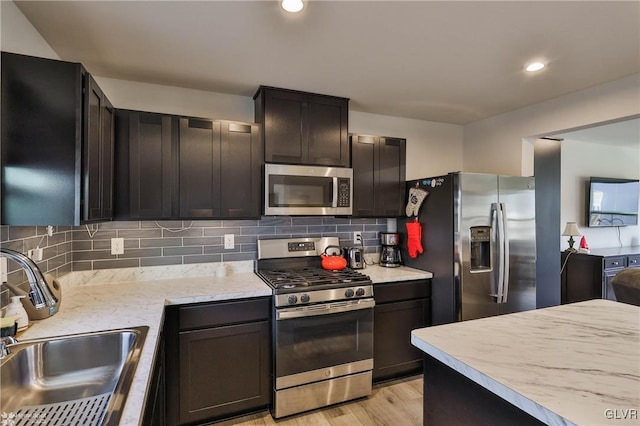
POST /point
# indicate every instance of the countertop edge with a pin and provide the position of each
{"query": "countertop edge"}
(380, 274)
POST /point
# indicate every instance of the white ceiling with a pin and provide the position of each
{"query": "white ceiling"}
(450, 61)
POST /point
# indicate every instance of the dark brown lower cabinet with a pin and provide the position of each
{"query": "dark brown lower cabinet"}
(218, 360)
(587, 276)
(400, 308)
(453, 399)
(155, 406)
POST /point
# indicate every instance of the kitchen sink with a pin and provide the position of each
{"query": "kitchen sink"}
(74, 379)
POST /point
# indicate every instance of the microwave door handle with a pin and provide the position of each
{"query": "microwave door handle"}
(334, 202)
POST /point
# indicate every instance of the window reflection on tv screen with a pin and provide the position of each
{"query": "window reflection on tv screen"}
(613, 202)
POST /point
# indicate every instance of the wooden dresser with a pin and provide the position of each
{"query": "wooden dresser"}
(588, 276)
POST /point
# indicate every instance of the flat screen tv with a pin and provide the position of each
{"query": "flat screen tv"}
(612, 202)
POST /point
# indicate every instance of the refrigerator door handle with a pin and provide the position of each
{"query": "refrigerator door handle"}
(496, 257)
(505, 253)
(500, 233)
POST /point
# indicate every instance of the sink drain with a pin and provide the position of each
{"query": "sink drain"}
(85, 411)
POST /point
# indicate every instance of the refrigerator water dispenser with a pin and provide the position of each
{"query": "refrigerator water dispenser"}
(480, 250)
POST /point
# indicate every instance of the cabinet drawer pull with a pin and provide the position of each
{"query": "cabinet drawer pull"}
(616, 263)
(366, 139)
(633, 261)
(239, 128)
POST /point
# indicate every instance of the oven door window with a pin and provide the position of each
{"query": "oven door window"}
(311, 343)
(300, 191)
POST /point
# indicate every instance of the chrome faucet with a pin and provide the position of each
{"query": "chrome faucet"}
(41, 295)
(4, 345)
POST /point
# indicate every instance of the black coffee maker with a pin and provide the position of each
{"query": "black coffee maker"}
(390, 254)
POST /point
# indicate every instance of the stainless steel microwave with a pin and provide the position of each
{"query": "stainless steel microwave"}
(307, 190)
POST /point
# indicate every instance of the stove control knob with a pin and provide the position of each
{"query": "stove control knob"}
(349, 292)
(292, 299)
(305, 298)
(360, 292)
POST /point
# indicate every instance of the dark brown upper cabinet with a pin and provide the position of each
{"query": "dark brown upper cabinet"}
(379, 165)
(241, 170)
(199, 165)
(57, 142)
(97, 147)
(146, 173)
(303, 128)
(171, 167)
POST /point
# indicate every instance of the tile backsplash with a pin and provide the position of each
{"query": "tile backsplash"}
(56, 253)
(151, 243)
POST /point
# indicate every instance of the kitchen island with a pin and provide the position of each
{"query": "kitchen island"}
(576, 364)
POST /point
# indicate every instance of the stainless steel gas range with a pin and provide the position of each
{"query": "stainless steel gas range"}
(322, 326)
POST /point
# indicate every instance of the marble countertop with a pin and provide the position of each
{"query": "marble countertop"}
(380, 274)
(129, 297)
(576, 364)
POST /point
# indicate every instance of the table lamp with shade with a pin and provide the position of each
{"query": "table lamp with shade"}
(571, 230)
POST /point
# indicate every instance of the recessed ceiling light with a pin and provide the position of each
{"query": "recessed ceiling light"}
(534, 66)
(292, 5)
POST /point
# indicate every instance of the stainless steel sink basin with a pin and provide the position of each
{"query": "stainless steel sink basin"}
(74, 379)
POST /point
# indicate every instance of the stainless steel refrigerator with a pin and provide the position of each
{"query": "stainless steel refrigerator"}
(478, 237)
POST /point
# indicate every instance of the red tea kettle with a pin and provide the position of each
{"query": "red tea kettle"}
(333, 262)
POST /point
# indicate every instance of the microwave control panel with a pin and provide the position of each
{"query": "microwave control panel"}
(344, 192)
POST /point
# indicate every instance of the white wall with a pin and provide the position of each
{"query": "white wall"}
(432, 148)
(579, 161)
(495, 145)
(17, 35)
(176, 100)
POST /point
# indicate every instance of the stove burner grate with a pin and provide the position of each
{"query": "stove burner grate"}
(308, 277)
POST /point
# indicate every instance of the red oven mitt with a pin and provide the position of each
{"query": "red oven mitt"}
(414, 238)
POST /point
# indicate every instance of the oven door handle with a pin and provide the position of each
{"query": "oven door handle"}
(324, 309)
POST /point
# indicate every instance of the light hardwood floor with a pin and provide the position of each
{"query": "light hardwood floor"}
(391, 404)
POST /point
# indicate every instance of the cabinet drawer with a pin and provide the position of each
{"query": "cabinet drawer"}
(403, 290)
(222, 313)
(633, 261)
(615, 262)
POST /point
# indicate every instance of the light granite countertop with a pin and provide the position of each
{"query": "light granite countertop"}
(576, 364)
(615, 251)
(380, 274)
(129, 297)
